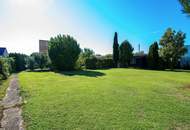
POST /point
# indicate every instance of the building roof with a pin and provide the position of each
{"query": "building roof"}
(2, 50)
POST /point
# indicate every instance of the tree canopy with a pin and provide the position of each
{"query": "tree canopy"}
(19, 61)
(125, 53)
(172, 47)
(85, 54)
(153, 56)
(63, 52)
(39, 60)
(6, 67)
(186, 6)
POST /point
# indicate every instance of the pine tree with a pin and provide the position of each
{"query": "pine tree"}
(115, 50)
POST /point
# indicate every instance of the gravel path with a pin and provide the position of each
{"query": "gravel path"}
(12, 118)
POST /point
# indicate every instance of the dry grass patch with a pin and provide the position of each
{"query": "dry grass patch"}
(186, 87)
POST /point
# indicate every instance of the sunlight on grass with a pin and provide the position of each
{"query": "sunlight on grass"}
(106, 99)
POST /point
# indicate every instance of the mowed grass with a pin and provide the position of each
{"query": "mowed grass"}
(106, 99)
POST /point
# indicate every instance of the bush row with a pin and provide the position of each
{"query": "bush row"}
(6, 67)
(98, 63)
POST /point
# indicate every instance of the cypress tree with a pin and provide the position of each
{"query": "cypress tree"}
(115, 50)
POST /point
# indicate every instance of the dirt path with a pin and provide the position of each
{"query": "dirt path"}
(12, 119)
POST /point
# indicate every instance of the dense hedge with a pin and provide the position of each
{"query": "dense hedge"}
(104, 63)
(19, 61)
(38, 61)
(90, 63)
(98, 63)
(6, 67)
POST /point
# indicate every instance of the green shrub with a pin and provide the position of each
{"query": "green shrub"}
(63, 52)
(31, 63)
(103, 63)
(38, 60)
(20, 61)
(85, 54)
(153, 56)
(90, 63)
(5, 67)
(125, 53)
(99, 63)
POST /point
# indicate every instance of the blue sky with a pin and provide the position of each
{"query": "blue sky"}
(91, 22)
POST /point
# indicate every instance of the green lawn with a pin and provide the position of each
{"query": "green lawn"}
(106, 99)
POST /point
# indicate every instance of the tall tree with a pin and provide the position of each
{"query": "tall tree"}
(115, 50)
(153, 56)
(186, 6)
(63, 52)
(172, 47)
(125, 53)
(20, 61)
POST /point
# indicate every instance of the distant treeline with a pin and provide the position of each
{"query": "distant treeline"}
(163, 55)
(64, 53)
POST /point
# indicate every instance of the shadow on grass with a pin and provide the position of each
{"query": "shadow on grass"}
(87, 73)
(163, 70)
(179, 70)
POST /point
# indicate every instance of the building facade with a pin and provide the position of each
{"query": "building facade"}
(43, 46)
(139, 60)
